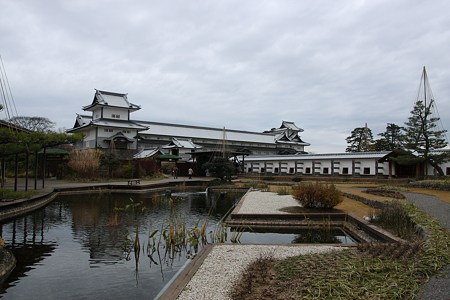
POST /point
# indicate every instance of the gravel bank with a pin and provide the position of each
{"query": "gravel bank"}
(224, 265)
(257, 202)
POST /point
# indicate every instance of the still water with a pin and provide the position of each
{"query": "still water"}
(81, 246)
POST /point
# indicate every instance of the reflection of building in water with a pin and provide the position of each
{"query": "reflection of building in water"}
(95, 224)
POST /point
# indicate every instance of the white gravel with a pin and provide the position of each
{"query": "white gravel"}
(225, 263)
(257, 202)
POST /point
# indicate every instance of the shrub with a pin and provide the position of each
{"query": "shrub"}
(85, 163)
(317, 195)
(394, 218)
(296, 179)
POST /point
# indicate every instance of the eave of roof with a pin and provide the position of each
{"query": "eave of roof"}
(326, 156)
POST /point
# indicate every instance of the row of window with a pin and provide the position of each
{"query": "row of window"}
(111, 130)
(345, 170)
(114, 116)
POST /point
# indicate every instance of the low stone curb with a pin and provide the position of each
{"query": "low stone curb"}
(7, 263)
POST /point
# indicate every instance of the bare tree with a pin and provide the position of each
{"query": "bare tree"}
(36, 124)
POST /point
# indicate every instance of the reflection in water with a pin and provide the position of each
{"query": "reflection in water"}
(84, 246)
(293, 236)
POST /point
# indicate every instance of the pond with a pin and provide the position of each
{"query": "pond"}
(82, 246)
(333, 235)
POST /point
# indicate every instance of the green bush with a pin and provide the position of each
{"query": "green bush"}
(317, 195)
(296, 179)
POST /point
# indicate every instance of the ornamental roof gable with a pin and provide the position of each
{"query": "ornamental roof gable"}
(182, 143)
(104, 98)
(290, 125)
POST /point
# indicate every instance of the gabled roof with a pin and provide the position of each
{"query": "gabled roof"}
(182, 143)
(104, 98)
(145, 153)
(190, 131)
(289, 137)
(291, 126)
(120, 137)
(83, 122)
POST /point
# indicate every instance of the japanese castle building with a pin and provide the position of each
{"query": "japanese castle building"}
(277, 151)
(109, 124)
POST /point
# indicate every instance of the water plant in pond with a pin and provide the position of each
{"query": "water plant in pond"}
(174, 236)
(236, 235)
(220, 233)
(152, 245)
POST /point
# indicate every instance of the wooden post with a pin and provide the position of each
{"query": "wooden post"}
(43, 167)
(27, 157)
(332, 167)
(3, 172)
(36, 158)
(16, 170)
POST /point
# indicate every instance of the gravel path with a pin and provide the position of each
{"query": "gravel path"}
(438, 288)
(433, 206)
(225, 263)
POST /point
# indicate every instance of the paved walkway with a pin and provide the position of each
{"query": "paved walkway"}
(50, 184)
(438, 288)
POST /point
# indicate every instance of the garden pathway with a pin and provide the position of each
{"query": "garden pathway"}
(438, 288)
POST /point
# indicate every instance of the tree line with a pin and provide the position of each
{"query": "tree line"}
(418, 138)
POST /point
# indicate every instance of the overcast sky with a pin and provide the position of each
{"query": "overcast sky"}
(329, 66)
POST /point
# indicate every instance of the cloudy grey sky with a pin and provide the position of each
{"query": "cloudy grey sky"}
(329, 66)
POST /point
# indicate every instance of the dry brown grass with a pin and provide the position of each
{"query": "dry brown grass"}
(356, 208)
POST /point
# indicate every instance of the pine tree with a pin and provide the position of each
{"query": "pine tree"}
(422, 134)
(360, 140)
(391, 139)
